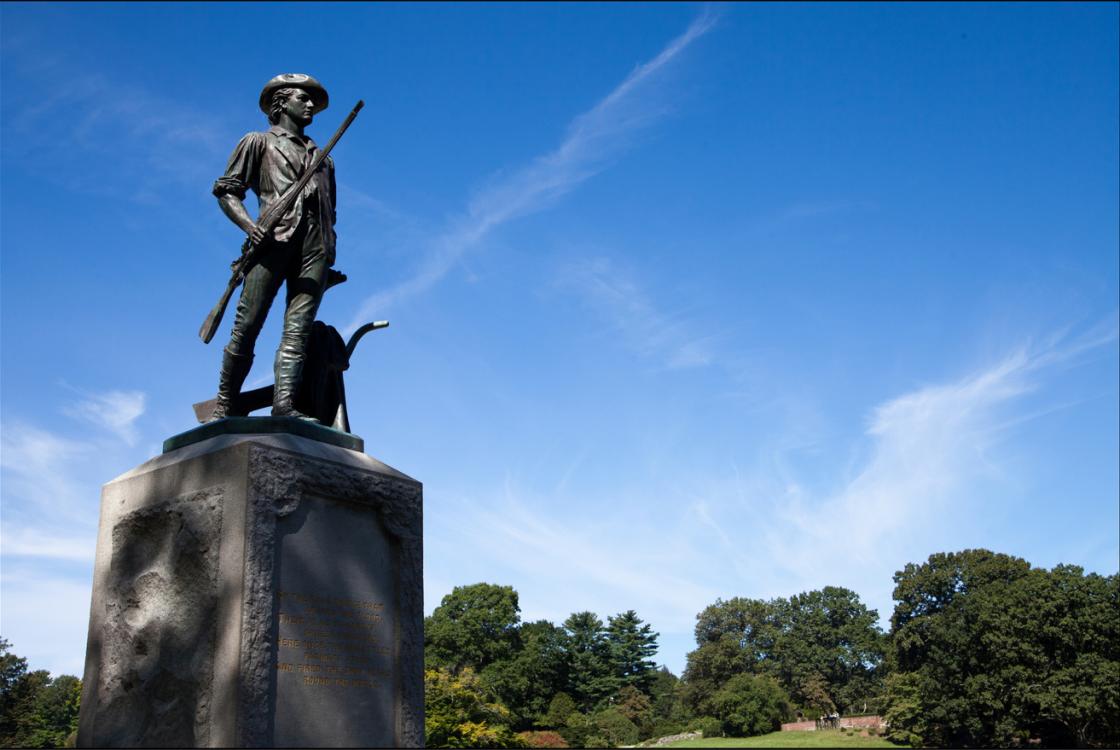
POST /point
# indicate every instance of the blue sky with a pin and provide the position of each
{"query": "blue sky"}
(687, 301)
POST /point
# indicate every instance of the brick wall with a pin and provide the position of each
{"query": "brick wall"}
(854, 722)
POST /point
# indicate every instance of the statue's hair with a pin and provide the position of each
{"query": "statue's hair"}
(278, 98)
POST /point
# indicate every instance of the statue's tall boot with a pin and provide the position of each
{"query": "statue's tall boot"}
(289, 370)
(235, 368)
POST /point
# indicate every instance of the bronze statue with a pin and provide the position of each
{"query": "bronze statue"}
(292, 242)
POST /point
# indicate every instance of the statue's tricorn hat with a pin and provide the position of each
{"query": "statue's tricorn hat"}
(313, 88)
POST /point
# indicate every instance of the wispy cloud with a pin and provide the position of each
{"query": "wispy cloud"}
(770, 530)
(36, 465)
(49, 484)
(74, 129)
(592, 140)
(56, 642)
(562, 561)
(25, 542)
(643, 325)
(927, 450)
(115, 411)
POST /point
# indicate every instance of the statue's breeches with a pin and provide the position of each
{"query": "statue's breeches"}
(301, 264)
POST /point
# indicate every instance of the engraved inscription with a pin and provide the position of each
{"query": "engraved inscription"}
(333, 641)
(335, 628)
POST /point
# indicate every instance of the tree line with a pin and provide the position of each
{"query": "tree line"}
(983, 651)
(36, 710)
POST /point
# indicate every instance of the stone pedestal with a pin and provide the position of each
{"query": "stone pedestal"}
(257, 590)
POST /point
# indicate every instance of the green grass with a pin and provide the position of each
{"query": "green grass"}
(830, 738)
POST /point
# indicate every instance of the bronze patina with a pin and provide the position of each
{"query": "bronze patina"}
(292, 242)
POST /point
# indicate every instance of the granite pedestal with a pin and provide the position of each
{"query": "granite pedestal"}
(257, 590)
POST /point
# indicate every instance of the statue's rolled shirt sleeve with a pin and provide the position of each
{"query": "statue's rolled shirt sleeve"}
(243, 169)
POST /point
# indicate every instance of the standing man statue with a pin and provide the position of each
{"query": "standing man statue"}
(299, 251)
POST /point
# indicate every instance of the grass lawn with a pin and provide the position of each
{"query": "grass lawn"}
(791, 739)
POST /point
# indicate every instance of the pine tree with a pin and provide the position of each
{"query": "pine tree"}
(632, 644)
(593, 680)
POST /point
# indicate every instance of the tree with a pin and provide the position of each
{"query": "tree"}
(615, 728)
(633, 704)
(632, 644)
(749, 705)
(668, 710)
(751, 623)
(35, 710)
(823, 647)
(992, 652)
(904, 710)
(559, 709)
(474, 626)
(708, 668)
(13, 671)
(663, 692)
(579, 730)
(1051, 641)
(527, 681)
(830, 649)
(458, 712)
(547, 738)
(592, 675)
(815, 695)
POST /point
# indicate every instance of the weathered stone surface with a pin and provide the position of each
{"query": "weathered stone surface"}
(159, 640)
(256, 591)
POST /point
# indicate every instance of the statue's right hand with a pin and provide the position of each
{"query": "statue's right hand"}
(257, 235)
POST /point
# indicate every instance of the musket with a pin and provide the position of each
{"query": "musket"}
(267, 222)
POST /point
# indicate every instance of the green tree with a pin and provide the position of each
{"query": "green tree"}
(592, 674)
(527, 681)
(904, 710)
(992, 652)
(815, 695)
(752, 624)
(35, 710)
(708, 668)
(53, 716)
(474, 626)
(663, 692)
(458, 712)
(13, 671)
(669, 712)
(830, 642)
(823, 647)
(633, 704)
(749, 705)
(1051, 643)
(632, 646)
(615, 728)
(579, 730)
(559, 709)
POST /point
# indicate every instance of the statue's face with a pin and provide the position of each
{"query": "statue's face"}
(300, 107)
